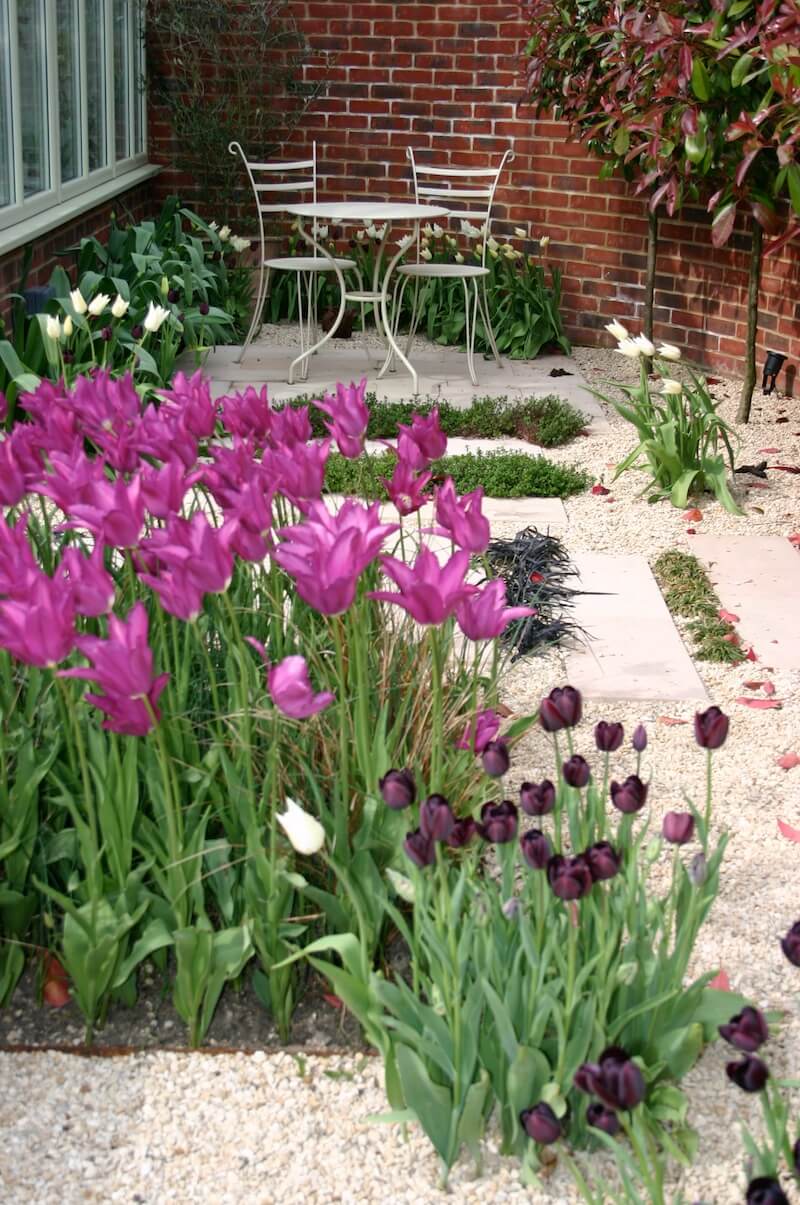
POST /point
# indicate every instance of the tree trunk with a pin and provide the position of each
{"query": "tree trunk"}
(650, 271)
(743, 413)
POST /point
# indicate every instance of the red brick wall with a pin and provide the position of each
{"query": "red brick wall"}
(445, 77)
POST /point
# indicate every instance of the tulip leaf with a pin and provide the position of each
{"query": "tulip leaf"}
(525, 1078)
(717, 1007)
(473, 1116)
(156, 936)
(432, 1103)
(393, 1117)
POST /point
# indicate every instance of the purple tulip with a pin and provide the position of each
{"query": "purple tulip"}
(137, 330)
(298, 472)
(398, 789)
(164, 489)
(601, 1118)
(536, 848)
(428, 591)
(639, 738)
(38, 627)
(711, 728)
(113, 512)
(436, 818)
(423, 441)
(750, 1073)
(576, 771)
(13, 486)
(495, 759)
(203, 308)
(91, 586)
(420, 849)
(615, 1078)
(484, 615)
(608, 737)
(289, 685)
(562, 708)
(248, 415)
(290, 426)
(790, 944)
(189, 400)
(765, 1191)
(462, 833)
(498, 823)
(629, 796)
(349, 415)
(19, 569)
(173, 295)
(747, 1031)
(406, 488)
(603, 860)
(486, 727)
(541, 1124)
(678, 827)
(537, 798)
(106, 334)
(569, 878)
(796, 1157)
(196, 558)
(462, 520)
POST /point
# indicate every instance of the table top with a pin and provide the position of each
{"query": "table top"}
(368, 211)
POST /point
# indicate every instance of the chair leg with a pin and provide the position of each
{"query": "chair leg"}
(255, 322)
(471, 320)
(412, 330)
(301, 322)
(484, 307)
(360, 281)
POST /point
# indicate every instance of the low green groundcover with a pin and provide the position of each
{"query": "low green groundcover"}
(502, 475)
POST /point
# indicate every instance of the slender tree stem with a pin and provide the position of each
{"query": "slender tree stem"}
(754, 280)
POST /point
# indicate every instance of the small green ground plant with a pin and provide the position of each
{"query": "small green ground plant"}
(688, 592)
(499, 474)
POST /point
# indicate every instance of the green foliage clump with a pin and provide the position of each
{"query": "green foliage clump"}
(502, 475)
(688, 593)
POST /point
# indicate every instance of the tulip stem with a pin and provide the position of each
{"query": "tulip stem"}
(707, 815)
(572, 950)
(342, 814)
(94, 871)
(436, 687)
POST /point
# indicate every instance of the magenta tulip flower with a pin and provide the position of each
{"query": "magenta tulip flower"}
(429, 592)
(461, 518)
(114, 512)
(91, 586)
(19, 568)
(349, 415)
(405, 488)
(190, 401)
(164, 489)
(122, 666)
(38, 627)
(233, 467)
(13, 486)
(290, 425)
(71, 478)
(248, 414)
(164, 435)
(483, 615)
(423, 441)
(196, 550)
(298, 472)
(290, 687)
(479, 734)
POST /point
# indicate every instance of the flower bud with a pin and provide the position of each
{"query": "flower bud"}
(765, 1191)
(652, 851)
(603, 860)
(397, 789)
(562, 708)
(569, 878)
(203, 308)
(462, 833)
(303, 830)
(710, 728)
(576, 771)
(747, 1031)
(790, 944)
(495, 758)
(536, 848)
(678, 827)
(630, 796)
(750, 1073)
(537, 798)
(627, 972)
(173, 295)
(639, 738)
(512, 908)
(68, 327)
(402, 886)
(601, 1118)
(698, 870)
(541, 1124)
(106, 334)
(137, 330)
(498, 822)
(436, 819)
(420, 849)
(608, 737)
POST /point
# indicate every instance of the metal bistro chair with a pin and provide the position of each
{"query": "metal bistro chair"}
(299, 177)
(472, 190)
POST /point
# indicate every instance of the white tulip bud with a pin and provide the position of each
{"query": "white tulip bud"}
(78, 302)
(544, 242)
(402, 886)
(68, 327)
(120, 307)
(305, 832)
(629, 348)
(98, 304)
(668, 351)
(53, 328)
(155, 317)
(670, 386)
(617, 330)
(520, 232)
(425, 253)
(645, 346)
(459, 258)
(224, 234)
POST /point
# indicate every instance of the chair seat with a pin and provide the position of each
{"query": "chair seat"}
(306, 263)
(467, 271)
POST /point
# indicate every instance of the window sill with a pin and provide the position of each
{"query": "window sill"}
(58, 215)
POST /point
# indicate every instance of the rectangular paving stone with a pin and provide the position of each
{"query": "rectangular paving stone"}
(633, 649)
(758, 579)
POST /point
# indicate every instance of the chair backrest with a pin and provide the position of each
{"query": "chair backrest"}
(472, 189)
(294, 182)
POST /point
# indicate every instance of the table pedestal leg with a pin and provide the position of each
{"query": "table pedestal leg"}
(306, 354)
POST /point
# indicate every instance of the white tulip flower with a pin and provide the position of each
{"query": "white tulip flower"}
(53, 328)
(425, 253)
(492, 244)
(427, 230)
(544, 242)
(451, 242)
(668, 385)
(437, 230)
(68, 327)
(459, 257)
(319, 231)
(402, 886)
(381, 232)
(120, 307)
(78, 301)
(305, 832)
(645, 346)
(405, 242)
(361, 235)
(224, 234)
(213, 226)
(98, 304)
(241, 244)
(155, 317)
(494, 254)
(668, 351)
(617, 330)
(468, 230)
(629, 348)
(520, 232)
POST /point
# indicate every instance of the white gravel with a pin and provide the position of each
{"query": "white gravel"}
(264, 1128)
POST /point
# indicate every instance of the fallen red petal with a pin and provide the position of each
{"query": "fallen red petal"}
(669, 720)
(758, 485)
(690, 531)
(786, 468)
(751, 655)
(693, 516)
(788, 761)
(752, 684)
(55, 993)
(600, 489)
(769, 688)
(791, 834)
(731, 638)
(795, 539)
(769, 451)
(761, 704)
(721, 982)
(334, 1001)
(537, 577)
(727, 616)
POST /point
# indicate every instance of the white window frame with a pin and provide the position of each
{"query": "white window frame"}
(28, 217)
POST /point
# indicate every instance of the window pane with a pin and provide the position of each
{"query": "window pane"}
(6, 162)
(33, 96)
(69, 103)
(138, 81)
(122, 78)
(96, 109)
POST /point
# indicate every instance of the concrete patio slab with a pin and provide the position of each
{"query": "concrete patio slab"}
(758, 579)
(633, 650)
(545, 514)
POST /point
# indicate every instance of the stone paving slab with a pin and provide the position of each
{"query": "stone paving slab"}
(633, 650)
(758, 579)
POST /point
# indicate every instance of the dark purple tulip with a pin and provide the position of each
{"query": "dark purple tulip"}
(68, 357)
(541, 1124)
(173, 295)
(790, 944)
(436, 819)
(576, 771)
(137, 330)
(750, 1073)
(604, 861)
(608, 736)
(498, 822)
(678, 827)
(569, 878)
(106, 334)
(710, 728)
(629, 796)
(420, 849)
(397, 789)
(537, 798)
(616, 1079)
(796, 1157)
(747, 1031)
(562, 708)
(639, 738)
(536, 849)
(203, 308)
(765, 1191)
(462, 833)
(495, 759)
(601, 1118)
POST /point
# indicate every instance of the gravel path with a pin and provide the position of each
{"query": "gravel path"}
(271, 1128)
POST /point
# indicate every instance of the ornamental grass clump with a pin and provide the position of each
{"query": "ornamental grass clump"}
(548, 981)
